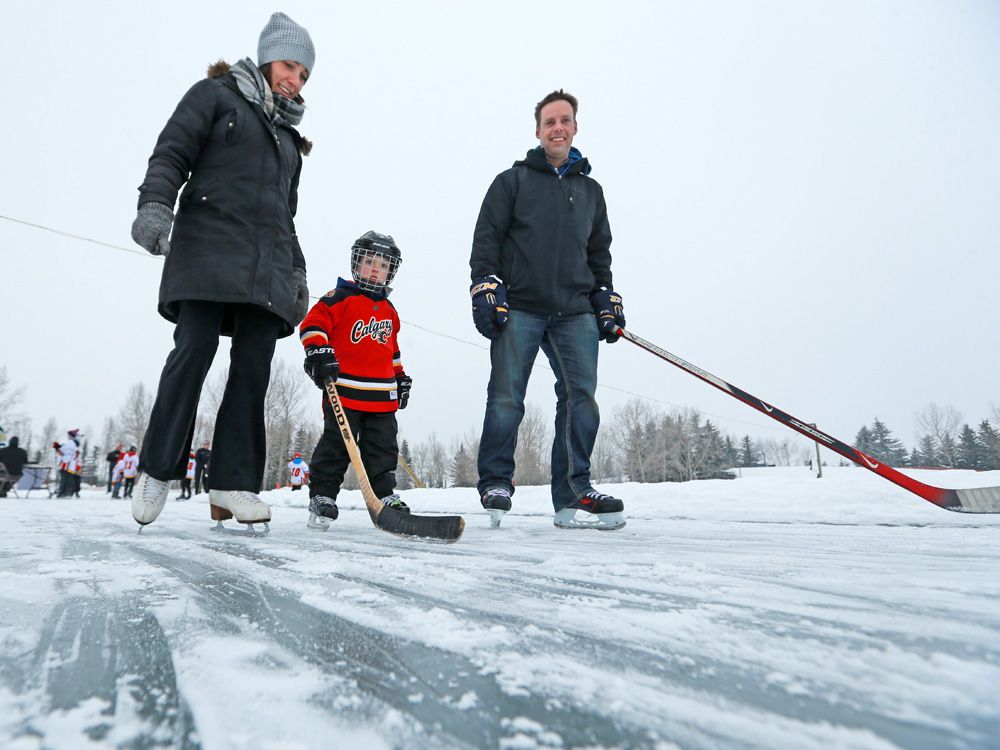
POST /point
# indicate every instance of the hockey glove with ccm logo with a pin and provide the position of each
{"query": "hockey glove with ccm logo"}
(403, 384)
(607, 306)
(321, 363)
(489, 306)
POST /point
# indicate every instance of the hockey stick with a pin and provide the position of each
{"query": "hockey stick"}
(977, 500)
(442, 528)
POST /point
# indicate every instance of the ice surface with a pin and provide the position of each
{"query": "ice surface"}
(773, 611)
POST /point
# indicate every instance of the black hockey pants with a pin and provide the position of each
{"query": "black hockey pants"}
(375, 434)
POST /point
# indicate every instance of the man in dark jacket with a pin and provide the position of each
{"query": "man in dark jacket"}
(233, 262)
(201, 459)
(541, 278)
(13, 457)
(112, 458)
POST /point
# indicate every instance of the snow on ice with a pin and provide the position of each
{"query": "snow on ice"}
(773, 611)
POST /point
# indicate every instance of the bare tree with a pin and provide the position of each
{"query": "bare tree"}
(787, 452)
(210, 401)
(628, 422)
(48, 435)
(941, 423)
(462, 466)
(283, 408)
(532, 454)
(603, 466)
(430, 462)
(9, 398)
(133, 417)
(110, 434)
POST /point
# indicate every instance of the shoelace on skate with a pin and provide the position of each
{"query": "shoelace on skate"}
(247, 496)
(150, 491)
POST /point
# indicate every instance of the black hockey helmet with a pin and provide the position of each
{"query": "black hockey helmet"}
(371, 246)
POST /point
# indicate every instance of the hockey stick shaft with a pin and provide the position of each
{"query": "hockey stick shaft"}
(374, 504)
(978, 500)
(444, 528)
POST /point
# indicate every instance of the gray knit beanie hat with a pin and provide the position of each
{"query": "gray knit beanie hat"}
(283, 39)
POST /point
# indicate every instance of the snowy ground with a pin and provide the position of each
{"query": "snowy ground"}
(773, 611)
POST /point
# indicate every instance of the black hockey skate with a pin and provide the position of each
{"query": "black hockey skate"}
(322, 510)
(497, 501)
(593, 510)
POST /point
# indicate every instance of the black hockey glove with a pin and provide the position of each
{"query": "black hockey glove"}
(151, 228)
(489, 306)
(403, 384)
(607, 306)
(321, 363)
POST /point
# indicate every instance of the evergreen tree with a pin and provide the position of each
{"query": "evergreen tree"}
(968, 449)
(989, 441)
(947, 455)
(748, 456)
(403, 481)
(863, 440)
(883, 444)
(927, 453)
(463, 468)
(731, 452)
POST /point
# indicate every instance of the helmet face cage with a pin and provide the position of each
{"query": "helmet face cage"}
(374, 246)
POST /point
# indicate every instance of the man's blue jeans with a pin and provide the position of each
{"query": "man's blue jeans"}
(570, 343)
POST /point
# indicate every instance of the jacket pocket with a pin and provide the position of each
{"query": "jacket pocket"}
(198, 192)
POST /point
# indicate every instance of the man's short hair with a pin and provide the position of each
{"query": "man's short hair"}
(555, 96)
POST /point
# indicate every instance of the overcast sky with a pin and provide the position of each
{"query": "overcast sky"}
(803, 196)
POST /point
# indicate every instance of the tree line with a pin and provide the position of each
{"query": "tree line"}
(639, 442)
(944, 440)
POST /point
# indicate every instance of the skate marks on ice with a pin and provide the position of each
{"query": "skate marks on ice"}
(697, 688)
(720, 643)
(446, 699)
(102, 668)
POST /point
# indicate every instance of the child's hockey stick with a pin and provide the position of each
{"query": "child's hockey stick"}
(441, 528)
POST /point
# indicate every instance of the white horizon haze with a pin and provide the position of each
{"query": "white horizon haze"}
(802, 197)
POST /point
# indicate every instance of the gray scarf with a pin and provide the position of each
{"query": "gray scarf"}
(279, 110)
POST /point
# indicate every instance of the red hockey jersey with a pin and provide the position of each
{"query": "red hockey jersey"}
(362, 332)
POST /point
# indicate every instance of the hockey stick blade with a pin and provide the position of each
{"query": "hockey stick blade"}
(977, 500)
(440, 528)
(435, 528)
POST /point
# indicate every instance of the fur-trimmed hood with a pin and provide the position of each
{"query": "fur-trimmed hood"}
(220, 68)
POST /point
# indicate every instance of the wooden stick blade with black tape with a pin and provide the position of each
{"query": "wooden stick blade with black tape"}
(439, 528)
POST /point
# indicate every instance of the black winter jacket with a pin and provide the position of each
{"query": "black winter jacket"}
(233, 237)
(547, 237)
(13, 457)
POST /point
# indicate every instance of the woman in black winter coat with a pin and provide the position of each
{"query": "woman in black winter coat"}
(233, 265)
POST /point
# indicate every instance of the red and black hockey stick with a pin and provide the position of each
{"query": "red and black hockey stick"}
(978, 500)
(439, 528)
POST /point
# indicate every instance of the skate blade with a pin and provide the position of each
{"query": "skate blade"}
(571, 519)
(250, 529)
(496, 516)
(318, 523)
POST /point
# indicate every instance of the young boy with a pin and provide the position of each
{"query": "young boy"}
(298, 472)
(130, 471)
(350, 335)
(118, 476)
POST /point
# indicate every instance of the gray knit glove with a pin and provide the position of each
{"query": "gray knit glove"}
(301, 294)
(151, 228)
